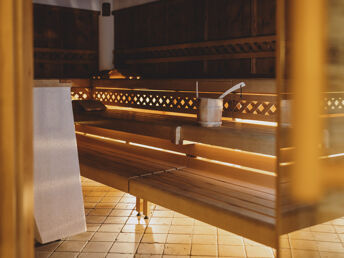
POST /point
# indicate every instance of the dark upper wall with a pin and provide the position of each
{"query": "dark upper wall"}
(65, 42)
(170, 22)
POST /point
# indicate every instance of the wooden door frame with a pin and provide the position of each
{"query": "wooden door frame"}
(16, 152)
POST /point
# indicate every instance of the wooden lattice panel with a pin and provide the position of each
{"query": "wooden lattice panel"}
(256, 107)
(80, 93)
(66, 56)
(334, 103)
(235, 48)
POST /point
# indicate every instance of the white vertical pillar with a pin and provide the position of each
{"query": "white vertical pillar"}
(106, 38)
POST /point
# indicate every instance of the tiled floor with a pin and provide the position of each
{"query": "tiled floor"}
(114, 230)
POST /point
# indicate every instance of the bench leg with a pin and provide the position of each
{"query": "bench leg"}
(146, 208)
(138, 206)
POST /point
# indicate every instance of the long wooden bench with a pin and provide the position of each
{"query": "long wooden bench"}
(232, 198)
(222, 176)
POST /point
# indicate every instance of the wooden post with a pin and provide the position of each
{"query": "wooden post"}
(280, 78)
(146, 209)
(307, 66)
(16, 154)
(138, 206)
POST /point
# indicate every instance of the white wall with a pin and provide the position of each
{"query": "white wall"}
(79, 4)
(120, 4)
(92, 4)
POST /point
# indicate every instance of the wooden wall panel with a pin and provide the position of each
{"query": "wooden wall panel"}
(185, 21)
(266, 17)
(229, 19)
(170, 22)
(65, 41)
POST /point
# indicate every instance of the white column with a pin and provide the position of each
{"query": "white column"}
(106, 38)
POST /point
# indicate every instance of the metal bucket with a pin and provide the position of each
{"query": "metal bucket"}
(210, 112)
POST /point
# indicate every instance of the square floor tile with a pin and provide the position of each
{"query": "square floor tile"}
(232, 250)
(183, 221)
(134, 228)
(197, 249)
(104, 236)
(42, 254)
(129, 237)
(71, 246)
(204, 230)
(229, 240)
(100, 211)
(64, 255)
(259, 251)
(97, 247)
(95, 219)
(181, 229)
(120, 213)
(163, 214)
(154, 238)
(92, 255)
(49, 247)
(125, 248)
(160, 221)
(177, 249)
(304, 244)
(81, 237)
(157, 229)
(178, 239)
(146, 248)
(305, 254)
(91, 227)
(110, 228)
(204, 239)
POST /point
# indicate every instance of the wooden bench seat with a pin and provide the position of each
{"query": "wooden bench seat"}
(231, 198)
(247, 211)
(235, 135)
(100, 161)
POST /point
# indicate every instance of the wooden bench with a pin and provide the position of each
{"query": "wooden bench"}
(222, 176)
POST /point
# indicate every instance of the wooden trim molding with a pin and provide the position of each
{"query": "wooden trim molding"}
(16, 153)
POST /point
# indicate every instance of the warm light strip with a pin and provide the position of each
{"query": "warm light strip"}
(100, 137)
(128, 89)
(334, 155)
(238, 166)
(151, 111)
(256, 122)
(130, 143)
(239, 120)
(224, 148)
(322, 157)
(155, 148)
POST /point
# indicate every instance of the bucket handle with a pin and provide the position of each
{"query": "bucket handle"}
(235, 87)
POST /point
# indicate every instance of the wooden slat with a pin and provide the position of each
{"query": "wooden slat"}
(233, 205)
(200, 44)
(218, 216)
(248, 138)
(77, 83)
(202, 57)
(222, 190)
(258, 86)
(59, 50)
(266, 182)
(252, 138)
(164, 158)
(247, 159)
